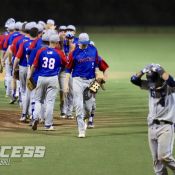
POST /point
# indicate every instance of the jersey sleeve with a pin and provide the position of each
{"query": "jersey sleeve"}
(36, 60)
(20, 51)
(62, 56)
(103, 65)
(69, 66)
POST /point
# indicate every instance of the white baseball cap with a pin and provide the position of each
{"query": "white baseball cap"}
(42, 23)
(54, 38)
(30, 25)
(83, 38)
(45, 36)
(71, 27)
(9, 21)
(11, 26)
(39, 27)
(62, 28)
(18, 25)
(51, 22)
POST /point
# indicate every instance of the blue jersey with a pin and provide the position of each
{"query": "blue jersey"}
(83, 62)
(23, 39)
(22, 53)
(31, 61)
(13, 36)
(75, 41)
(49, 61)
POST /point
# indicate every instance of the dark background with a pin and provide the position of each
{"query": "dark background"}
(97, 12)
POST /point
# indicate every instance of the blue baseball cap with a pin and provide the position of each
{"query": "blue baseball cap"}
(83, 38)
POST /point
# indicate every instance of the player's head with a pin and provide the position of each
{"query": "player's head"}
(11, 27)
(18, 26)
(29, 26)
(71, 28)
(69, 35)
(50, 24)
(54, 40)
(83, 40)
(154, 80)
(8, 22)
(33, 32)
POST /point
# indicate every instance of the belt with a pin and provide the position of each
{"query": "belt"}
(160, 122)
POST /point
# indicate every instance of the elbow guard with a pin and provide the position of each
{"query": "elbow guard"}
(170, 81)
(135, 80)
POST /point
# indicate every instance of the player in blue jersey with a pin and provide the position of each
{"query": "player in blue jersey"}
(83, 63)
(48, 61)
(44, 43)
(21, 59)
(72, 29)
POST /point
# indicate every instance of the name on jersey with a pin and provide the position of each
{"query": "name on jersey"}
(49, 52)
(88, 59)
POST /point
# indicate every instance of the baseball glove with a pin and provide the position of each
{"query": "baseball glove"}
(31, 84)
(16, 74)
(96, 84)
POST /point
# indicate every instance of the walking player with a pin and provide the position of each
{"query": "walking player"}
(48, 61)
(161, 117)
(83, 63)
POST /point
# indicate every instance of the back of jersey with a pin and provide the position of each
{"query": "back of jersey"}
(49, 63)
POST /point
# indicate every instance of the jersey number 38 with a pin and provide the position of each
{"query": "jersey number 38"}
(48, 63)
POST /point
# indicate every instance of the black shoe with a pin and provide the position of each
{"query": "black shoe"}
(13, 100)
(34, 125)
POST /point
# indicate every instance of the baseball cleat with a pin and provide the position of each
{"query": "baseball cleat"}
(63, 115)
(70, 117)
(34, 125)
(90, 125)
(12, 101)
(50, 128)
(23, 118)
(81, 134)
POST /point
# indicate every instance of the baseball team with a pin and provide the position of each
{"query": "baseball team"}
(42, 60)
(55, 61)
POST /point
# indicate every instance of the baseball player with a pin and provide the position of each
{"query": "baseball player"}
(22, 60)
(83, 63)
(103, 66)
(48, 61)
(161, 118)
(72, 29)
(5, 61)
(45, 43)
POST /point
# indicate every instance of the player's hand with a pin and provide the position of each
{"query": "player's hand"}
(147, 68)
(157, 68)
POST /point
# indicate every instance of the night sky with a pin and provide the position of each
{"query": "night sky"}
(95, 12)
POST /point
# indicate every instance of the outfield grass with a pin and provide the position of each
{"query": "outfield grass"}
(118, 144)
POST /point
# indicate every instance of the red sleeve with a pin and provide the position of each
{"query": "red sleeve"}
(62, 56)
(70, 61)
(103, 65)
(33, 44)
(13, 46)
(20, 50)
(36, 60)
(5, 45)
(1, 43)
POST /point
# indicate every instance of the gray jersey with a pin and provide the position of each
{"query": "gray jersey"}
(161, 103)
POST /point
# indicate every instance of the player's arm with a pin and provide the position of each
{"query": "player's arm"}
(164, 75)
(18, 56)
(69, 67)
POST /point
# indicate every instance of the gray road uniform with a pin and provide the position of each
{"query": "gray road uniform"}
(161, 119)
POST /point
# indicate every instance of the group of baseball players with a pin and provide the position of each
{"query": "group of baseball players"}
(42, 60)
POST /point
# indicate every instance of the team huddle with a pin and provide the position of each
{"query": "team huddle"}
(41, 61)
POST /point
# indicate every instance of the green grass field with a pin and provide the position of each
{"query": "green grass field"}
(118, 144)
